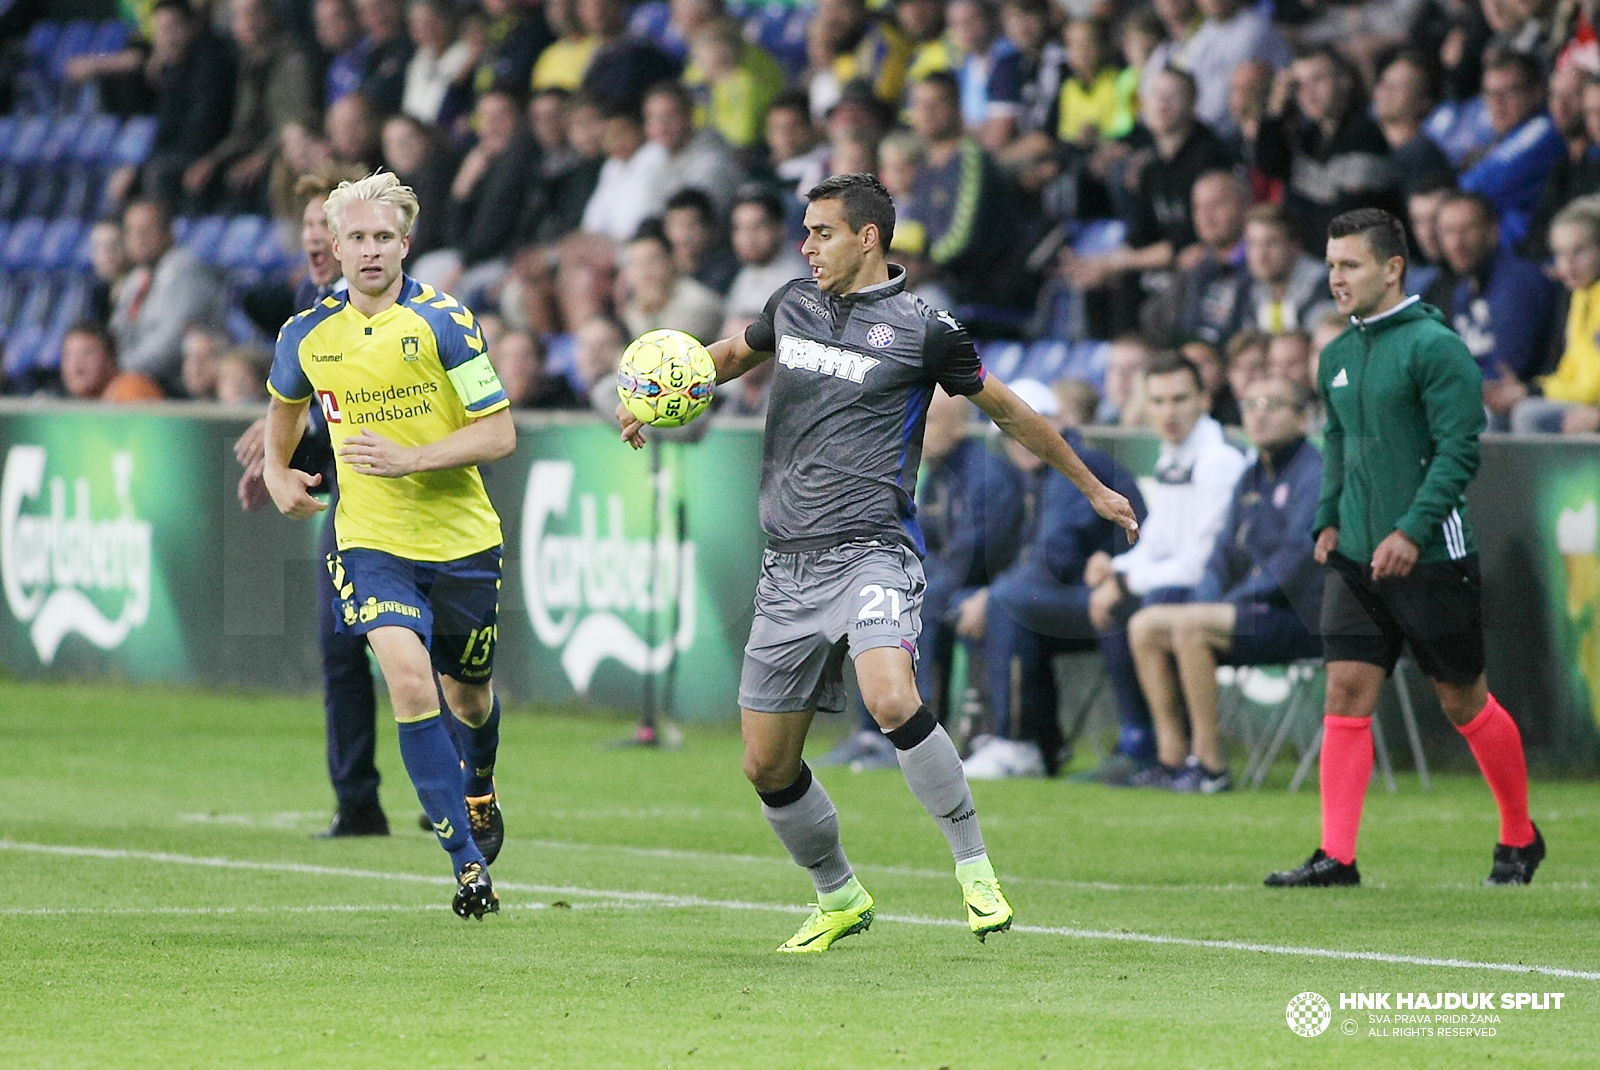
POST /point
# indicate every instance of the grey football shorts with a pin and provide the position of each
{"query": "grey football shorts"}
(815, 607)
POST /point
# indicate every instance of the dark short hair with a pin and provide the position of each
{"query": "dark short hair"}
(791, 100)
(1186, 78)
(1421, 62)
(1529, 67)
(1384, 233)
(1167, 361)
(697, 201)
(671, 87)
(99, 332)
(945, 82)
(1485, 207)
(864, 199)
(767, 201)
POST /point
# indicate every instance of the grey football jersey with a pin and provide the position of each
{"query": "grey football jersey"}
(849, 397)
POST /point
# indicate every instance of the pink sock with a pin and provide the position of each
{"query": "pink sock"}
(1497, 745)
(1346, 766)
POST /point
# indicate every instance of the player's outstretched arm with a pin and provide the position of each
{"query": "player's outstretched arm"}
(1012, 415)
(487, 438)
(289, 487)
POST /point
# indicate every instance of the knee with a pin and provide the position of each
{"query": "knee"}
(1346, 700)
(471, 704)
(1188, 635)
(767, 771)
(412, 694)
(891, 705)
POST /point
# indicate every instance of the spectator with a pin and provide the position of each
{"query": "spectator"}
(191, 71)
(1577, 174)
(438, 83)
(563, 62)
(339, 38)
(698, 249)
(1194, 478)
(1096, 103)
(628, 180)
(167, 291)
(567, 177)
(623, 68)
(352, 130)
(600, 341)
(1566, 401)
(922, 23)
(89, 369)
(274, 88)
(970, 509)
(733, 81)
(695, 159)
(1402, 98)
(1330, 325)
(1258, 601)
(1078, 398)
(1289, 359)
(385, 53)
(242, 375)
(1041, 61)
(1159, 223)
(986, 68)
(202, 349)
(1230, 34)
(767, 260)
(1527, 144)
(1329, 154)
(1123, 402)
(1496, 301)
(515, 36)
(109, 262)
(519, 360)
(1039, 605)
(1249, 94)
(1204, 300)
(656, 295)
(861, 45)
(1179, 19)
(1287, 287)
(419, 157)
(1422, 208)
(528, 295)
(1247, 360)
(794, 146)
(487, 197)
(962, 200)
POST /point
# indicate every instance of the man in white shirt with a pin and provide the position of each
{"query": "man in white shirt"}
(629, 179)
(1231, 34)
(1187, 500)
(767, 257)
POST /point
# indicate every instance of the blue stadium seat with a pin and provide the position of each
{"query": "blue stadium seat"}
(62, 139)
(22, 245)
(1088, 361)
(240, 240)
(83, 255)
(110, 36)
(41, 40)
(81, 195)
(21, 348)
(75, 40)
(99, 136)
(35, 308)
(273, 256)
(204, 237)
(1044, 361)
(71, 306)
(27, 139)
(60, 244)
(134, 141)
(1002, 359)
(1099, 236)
(649, 21)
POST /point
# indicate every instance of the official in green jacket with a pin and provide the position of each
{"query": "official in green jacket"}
(1405, 407)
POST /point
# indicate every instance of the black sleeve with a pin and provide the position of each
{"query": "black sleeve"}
(762, 335)
(949, 356)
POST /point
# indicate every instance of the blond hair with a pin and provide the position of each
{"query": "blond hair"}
(380, 187)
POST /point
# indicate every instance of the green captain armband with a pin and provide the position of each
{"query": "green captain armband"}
(475, 381)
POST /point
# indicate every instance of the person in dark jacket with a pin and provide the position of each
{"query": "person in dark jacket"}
(1257, 603)
(192, 71)
(970, 506)
(1039, 606)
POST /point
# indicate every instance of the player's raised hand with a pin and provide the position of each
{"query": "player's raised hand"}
(371, 454)
(290, 490)
(632, 428)
(1117, 509)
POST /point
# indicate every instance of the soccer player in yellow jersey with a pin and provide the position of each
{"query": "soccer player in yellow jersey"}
(413, 405)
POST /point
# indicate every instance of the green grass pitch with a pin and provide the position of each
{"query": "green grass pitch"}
(162, 904)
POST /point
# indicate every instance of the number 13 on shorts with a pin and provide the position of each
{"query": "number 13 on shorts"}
(878, 603)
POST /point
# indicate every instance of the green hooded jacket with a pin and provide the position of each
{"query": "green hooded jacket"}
(1405, 407)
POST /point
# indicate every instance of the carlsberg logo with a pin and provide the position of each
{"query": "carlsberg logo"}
(580, 587)
(60, 565)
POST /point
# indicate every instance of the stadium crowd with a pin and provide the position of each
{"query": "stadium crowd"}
(1125, 202)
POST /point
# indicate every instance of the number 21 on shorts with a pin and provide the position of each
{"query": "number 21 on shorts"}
(873, 608)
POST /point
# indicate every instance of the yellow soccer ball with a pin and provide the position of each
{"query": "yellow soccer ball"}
(666, 378)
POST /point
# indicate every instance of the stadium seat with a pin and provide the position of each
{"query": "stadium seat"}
(27, 139)
(83, 255)
(61, 139)
(99, 136)
(1099, 236)
(236, 249)
(273, 256)
(41, 40)
(134, 141)
(1044, 361)
(75, 40)
(71, 306)
(22, 245)
(21, 348)
(110, 36)
(204, 237)
(1002, 359)
(60, 244)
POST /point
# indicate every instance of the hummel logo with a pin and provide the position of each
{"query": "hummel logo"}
(483, 771)
(444, 828)
(1341, 379)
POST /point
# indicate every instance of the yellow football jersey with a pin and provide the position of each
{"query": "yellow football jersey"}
(413, 373)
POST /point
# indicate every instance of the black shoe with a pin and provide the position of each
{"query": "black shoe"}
(423, 823)
(1515, 865)
(1321, 870)
(475, 897)
(488, 825)
(365, 822)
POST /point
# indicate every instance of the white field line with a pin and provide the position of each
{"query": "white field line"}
(659, 899)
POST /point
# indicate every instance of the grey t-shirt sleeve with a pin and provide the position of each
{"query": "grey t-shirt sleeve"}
(762, 335)
(949, 356)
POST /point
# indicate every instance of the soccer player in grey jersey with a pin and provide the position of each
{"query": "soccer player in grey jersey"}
(858, 360)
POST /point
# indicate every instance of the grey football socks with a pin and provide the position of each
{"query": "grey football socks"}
(807, 825)
(933, 772)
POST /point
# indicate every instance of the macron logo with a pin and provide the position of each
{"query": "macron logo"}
(806, 355)
(1341, 379)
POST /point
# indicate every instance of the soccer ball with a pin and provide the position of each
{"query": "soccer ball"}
(666, 378)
